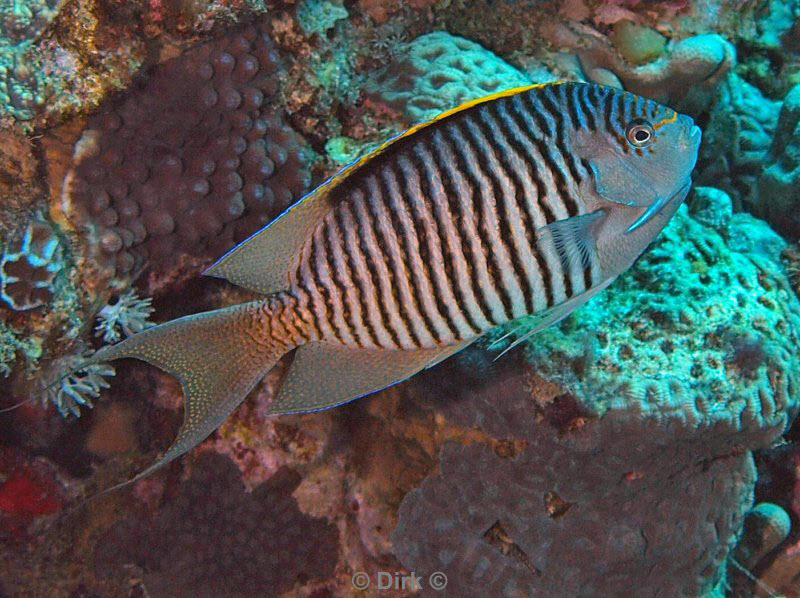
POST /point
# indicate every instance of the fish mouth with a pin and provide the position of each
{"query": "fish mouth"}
(656, 207)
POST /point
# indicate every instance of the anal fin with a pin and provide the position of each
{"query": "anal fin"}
(324, 375)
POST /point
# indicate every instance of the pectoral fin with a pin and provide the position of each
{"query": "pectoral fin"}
(324, 375)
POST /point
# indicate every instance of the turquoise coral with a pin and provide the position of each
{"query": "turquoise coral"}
(778, 198)
(317, 16)
(28, 269)
(23, 84)
(736, 139)
(665, 334)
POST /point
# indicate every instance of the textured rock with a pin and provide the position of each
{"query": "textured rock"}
(617, 462)
(779, 187)
(216, 164)
(736, 140)
(441, 71)
(214, 539)
(684, 76)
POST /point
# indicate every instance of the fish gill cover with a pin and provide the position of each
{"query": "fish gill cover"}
(620, 451)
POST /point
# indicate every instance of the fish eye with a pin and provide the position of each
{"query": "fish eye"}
(640, 133)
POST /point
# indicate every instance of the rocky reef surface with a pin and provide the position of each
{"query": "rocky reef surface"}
(647, 445)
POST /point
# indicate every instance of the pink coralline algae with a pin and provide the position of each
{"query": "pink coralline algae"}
(215, 539)
(191, 161)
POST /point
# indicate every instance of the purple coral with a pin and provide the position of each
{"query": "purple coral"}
(582, 506)
(28, 269)
(215, 539)
(193, 160)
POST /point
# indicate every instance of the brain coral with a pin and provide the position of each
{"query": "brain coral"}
(616, 462)
(191, 161)
(215, 539)
(440, 71)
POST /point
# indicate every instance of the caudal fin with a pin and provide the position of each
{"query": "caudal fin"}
(219, 356)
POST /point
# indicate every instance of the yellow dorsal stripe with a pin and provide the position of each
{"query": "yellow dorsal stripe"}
(347, 170)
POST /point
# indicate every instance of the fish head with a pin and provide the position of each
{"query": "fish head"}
(640, 156)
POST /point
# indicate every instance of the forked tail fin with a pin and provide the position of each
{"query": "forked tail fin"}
(219, 356)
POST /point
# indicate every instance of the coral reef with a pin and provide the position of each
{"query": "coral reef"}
(214, 539)
(645, 402)
(736, 140)
(28, 491)
(28, 268)
(11, 343)
(439, 71)
(765, 526)
(214, 167)
(610, 455)
(683, 76)
(704, 329)
(317, 16)
(779, 186)
(22, 81)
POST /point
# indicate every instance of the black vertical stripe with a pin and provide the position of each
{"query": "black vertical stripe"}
(458, 211)
(545, 150)
(531, 162)
(478, 200)
(370, 259)
(404, 235)
(430, 169)
(491, 131)
(306, 287)
(392, 265)
(359, 286)
(322, 289)
(558, 106)
(507, 136)
(341, 287)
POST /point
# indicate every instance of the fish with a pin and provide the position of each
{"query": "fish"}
(526, 202)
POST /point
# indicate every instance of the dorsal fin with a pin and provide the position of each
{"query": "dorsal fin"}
(262, 262)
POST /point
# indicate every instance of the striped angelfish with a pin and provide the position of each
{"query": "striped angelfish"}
(526, 202)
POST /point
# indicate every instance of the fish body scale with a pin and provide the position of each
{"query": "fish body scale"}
(435, 243)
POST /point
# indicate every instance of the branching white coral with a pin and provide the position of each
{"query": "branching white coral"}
(127, 316)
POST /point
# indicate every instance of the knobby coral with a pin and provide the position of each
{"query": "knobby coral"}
(216, 165)
(215, 539)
